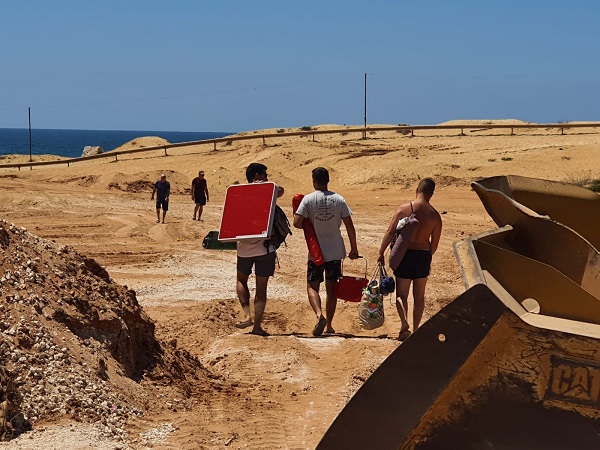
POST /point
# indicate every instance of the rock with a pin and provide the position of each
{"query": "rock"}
(90, 150)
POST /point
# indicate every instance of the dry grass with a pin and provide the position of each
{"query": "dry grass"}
(584, 179)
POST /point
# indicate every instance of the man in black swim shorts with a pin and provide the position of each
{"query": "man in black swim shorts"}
(415, 266)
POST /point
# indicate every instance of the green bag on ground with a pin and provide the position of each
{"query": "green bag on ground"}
(211, 242)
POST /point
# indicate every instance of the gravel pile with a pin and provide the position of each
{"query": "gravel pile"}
(72, 342)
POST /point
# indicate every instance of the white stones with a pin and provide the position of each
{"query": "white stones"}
(89, 150)
(46, 291)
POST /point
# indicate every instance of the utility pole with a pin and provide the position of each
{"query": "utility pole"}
(365, 132)
(29, 112)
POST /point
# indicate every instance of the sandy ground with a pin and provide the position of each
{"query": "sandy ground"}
(285, 390)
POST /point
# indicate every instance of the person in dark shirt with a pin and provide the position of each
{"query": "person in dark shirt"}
(162, 188)
(199, 194)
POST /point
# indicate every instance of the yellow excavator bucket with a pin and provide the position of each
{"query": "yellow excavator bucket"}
(513, 362)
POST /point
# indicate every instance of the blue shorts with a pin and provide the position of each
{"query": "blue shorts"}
(264, 266)
(415, 264)
(201, 201)
(332, 269)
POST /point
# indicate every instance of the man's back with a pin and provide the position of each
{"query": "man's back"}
(326, 209)
(199, 185)
(429, 222)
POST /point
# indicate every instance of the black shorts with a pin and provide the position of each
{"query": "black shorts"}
(332, 269)
(264, 265)
(415, 264)
(162, 203)
(200, 201)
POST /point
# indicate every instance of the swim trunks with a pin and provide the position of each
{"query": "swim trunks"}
(415, 264)
(332, 269)
(264, 265)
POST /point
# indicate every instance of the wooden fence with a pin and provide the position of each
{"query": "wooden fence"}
(363, 130)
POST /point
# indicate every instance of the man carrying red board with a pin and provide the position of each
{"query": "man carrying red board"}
(254, 253)
(326, 211)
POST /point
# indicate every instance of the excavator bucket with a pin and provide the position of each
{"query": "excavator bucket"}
(513, 362)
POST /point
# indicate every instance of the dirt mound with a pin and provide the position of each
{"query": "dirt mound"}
(72, 342)
(485, 122)
(133, 186)
(145, 182)
(143, 142)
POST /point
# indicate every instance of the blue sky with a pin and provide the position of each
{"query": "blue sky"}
(235, 65)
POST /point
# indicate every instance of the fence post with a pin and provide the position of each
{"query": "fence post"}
(512, 133)
(215, 146)
(166, 152)
(264, 142)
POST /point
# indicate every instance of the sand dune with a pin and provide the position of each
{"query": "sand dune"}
(285, 390)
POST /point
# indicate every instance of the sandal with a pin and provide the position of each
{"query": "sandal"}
(259, 332)
(403, 335)
(244, 324)
(319, 327)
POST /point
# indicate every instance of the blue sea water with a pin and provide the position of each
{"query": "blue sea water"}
(70, 143)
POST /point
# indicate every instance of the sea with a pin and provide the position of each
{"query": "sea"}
(70, 143)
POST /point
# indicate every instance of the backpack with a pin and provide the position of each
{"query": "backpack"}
(211, 241)
(280, 230)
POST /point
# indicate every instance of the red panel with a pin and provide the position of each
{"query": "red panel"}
(248, 211)
(309, 233)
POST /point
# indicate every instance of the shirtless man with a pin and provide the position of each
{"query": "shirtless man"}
(416, 264)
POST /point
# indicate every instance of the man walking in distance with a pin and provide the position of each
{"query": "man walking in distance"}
(326, 210)
(162, 188)
(254, 253)
(199, 194)
(416, 264)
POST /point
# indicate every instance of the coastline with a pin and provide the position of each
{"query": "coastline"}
(70, 143)
(284, 390)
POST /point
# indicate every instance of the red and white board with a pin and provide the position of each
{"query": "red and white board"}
(248, 211)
